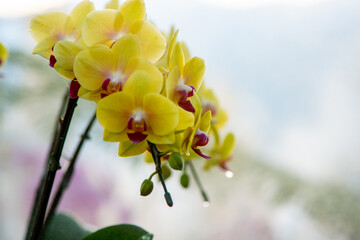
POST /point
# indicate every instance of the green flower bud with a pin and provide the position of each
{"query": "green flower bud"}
(166, 172)
(176, 161)
(184, 180)
(146, 187)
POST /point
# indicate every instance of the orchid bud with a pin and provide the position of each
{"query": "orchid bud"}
(146, 187)
(184, 180)
(176, 161)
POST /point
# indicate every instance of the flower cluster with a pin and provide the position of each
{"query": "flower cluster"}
(147, 86)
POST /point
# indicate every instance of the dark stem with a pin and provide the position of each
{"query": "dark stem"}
(197, 180)
(54, 165)
(69, 172)
(156, 156)
(35, 206)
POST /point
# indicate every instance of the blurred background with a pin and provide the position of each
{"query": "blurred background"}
(286, 71)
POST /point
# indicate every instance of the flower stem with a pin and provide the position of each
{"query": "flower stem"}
(36, 202)
(69, 172)
(197, 180)
(156, 156)
(53, 166)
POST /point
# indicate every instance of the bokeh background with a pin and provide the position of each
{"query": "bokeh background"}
(286, 71)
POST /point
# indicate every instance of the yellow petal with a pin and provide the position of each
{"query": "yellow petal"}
(221, 118)
(79, 14)
(186, 119)
(194, 71)
(102, 26)
(129, 149)
(228, 146)
(3, 54)
(171, 83)
(186, 51)
(125, 48)
(208, 95)
(144, 65)
(177, 57)
(44, 47)
(113, 4)
(171, 46)
(93, 66)
(65, 53)
(166, 139)
(69, 74)
(139, 84)
(133, 11)
(53, 24)
(148, 157)
(195, 101)
(94, 96)
(152, 42)
(205, 122)
(114, 111)
(114, 137)
(161, 114)
(187, 140)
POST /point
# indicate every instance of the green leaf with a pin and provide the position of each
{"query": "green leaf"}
(64, 227)
(120, 232)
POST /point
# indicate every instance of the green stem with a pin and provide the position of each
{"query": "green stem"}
(197, 180)
(54, 165)
(153, 174)
(36, 202)
(216, 135)
(69, 173)
(156, 156)
(165, 153)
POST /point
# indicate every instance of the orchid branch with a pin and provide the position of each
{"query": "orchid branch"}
(198, 183)
(34, 229)
(36, 202)
(69, 172)
(156, 154)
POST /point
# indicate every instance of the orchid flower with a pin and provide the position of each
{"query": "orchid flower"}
(222, 153)
(137, 113)
(49, 28)
(102, 70)
(109, 25)
(209, 101)
(184, 78)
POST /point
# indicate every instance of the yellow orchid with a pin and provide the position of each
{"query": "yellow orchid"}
(222, 154)
(109, 25)
(137, 113)
(3, 54)
(184, 78)
(49, 28)
(209, 101)
(197, 135)
(102, 70)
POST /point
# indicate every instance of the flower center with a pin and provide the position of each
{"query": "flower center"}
(183, 92)
(114, 84)
(137, 126)
(201, 138)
